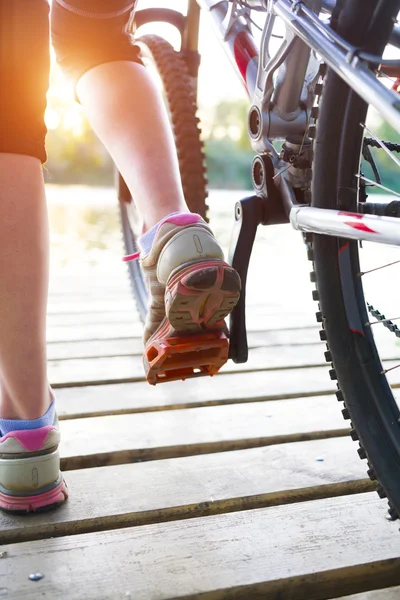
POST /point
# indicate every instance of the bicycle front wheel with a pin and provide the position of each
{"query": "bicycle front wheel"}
(358, 364)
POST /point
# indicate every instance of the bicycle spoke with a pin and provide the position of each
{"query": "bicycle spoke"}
(385, 371)
(382, 145)
(362, 273)
(375, 184)
(381, 321)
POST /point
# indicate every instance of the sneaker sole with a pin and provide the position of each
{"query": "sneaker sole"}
(34, 503)
(199, 297)
(191, 340)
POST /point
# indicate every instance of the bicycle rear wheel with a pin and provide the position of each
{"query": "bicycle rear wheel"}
(369, 400)
(180, 101)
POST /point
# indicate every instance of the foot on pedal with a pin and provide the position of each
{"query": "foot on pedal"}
(191, 340)
(183, 357)
(191, 291)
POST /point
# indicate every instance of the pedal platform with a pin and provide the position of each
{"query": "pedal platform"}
(185, 357)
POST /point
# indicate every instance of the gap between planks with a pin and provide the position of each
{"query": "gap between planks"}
(392, 593)
(117, 457)
(196, 486)
(84, 332)
(129, 398)
(313, 550)
(164, 407)
(137, 437)
(131, 368)
(317, 377)
(133, 346)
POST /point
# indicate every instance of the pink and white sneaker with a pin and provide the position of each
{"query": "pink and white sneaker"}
(191, 291)
(30, 477)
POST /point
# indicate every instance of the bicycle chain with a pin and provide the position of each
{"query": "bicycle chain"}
(380, 317)
(391, 146)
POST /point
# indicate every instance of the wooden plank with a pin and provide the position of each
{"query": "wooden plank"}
(91, 323)
(93, 349)
(240, 388)
(392, 593)
(306, 550)
(94, 332)
(127, 313)
(133, 346)
(119, 367)
(67, 319)
(134, 328)
(166, 434)
(131, 367)
(90, 301)
(197, 486)
(96, 306)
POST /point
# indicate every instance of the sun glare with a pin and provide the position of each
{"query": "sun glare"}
(217, 81)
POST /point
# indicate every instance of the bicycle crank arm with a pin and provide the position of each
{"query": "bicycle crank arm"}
(249, 213)
(353, 226)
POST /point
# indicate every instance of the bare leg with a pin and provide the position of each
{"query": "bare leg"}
(126, 111)
(23, 291)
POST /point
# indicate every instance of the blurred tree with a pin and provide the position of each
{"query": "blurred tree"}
(76, 155)
(389, 171)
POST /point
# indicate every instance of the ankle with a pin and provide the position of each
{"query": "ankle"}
(11, 408)
(160, 214)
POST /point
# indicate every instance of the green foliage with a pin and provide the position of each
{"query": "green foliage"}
(389, 171)
(227, 168)
(77, 156)
(73, 159)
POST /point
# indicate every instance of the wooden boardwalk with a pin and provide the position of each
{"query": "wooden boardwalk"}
(241, 486)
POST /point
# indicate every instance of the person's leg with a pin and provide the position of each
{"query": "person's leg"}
(23, 290)
(126, 111)
(121, 100)
(191, 288)
(24, 68)
(29, 462)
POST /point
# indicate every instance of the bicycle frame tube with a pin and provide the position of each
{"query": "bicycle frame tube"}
(348, 66)
(240, 47)
(237, 40)
(274, 79)
(233, 29)
(190, 38)
(285, 79)
(354, 226)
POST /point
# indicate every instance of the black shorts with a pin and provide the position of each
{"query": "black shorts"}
(85, 33)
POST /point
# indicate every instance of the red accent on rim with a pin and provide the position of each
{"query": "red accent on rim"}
(244, 51)
(357, 331)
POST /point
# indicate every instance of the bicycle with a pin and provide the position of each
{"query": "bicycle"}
(314, 93)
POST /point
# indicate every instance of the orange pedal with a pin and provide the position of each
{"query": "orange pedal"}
(185, 356)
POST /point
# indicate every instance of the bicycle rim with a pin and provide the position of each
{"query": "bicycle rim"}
(368, 398)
